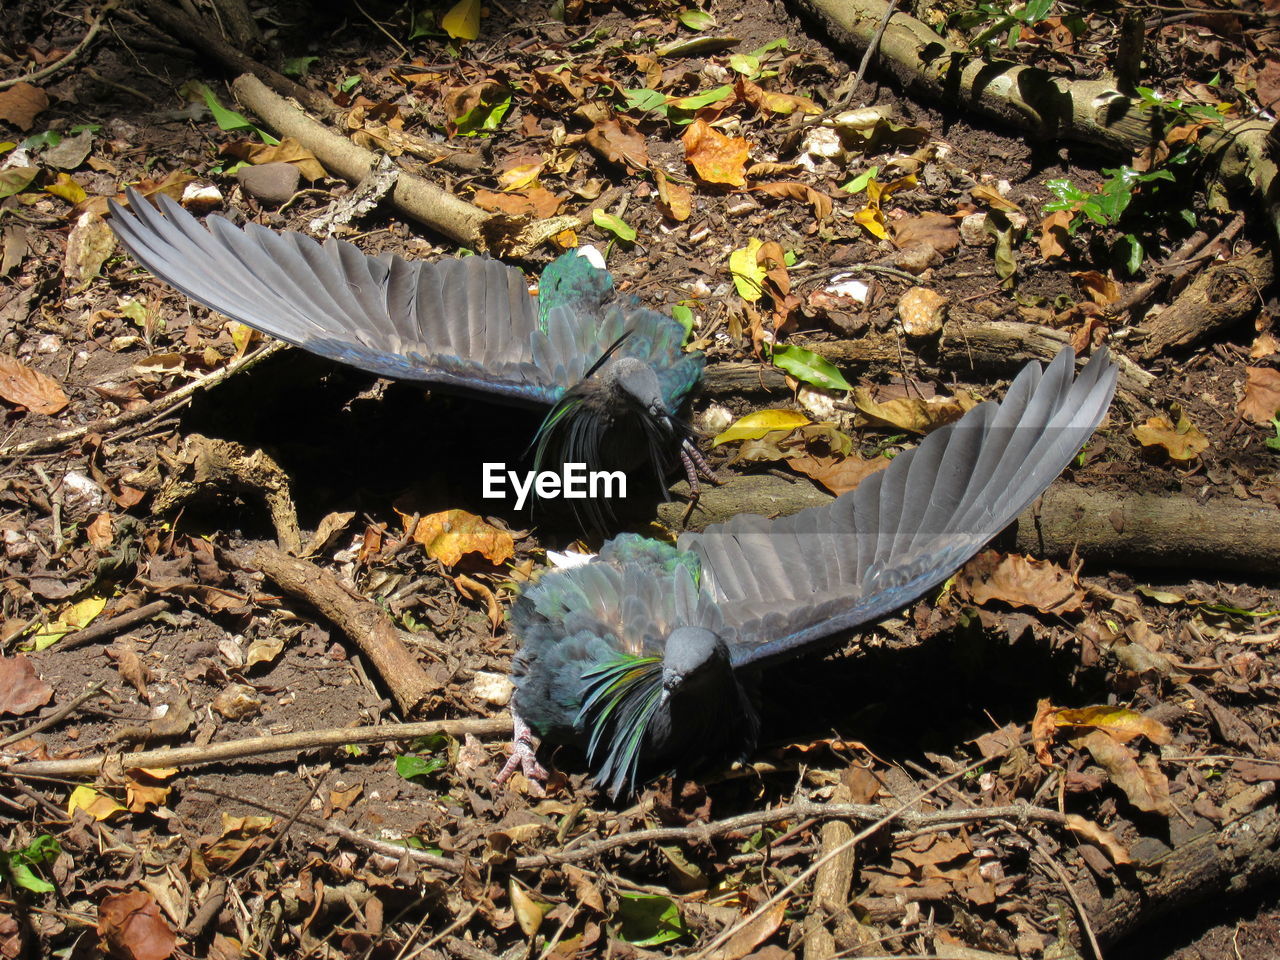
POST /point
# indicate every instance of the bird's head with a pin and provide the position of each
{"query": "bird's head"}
(690, 659)
(636, 385)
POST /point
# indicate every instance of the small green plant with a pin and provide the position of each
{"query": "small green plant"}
(16, 866)
(1274, 442)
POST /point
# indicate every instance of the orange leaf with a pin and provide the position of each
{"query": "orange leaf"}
(21, 385)
(453, 533)
(715, 157)
(674, 201)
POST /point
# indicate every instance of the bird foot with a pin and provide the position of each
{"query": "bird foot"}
(695, 466)
(523, 755)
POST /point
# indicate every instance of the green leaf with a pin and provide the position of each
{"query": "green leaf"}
(646, 920)
(17, 864)
(683, 315)
(15, 180)
(615, 225)
(423, 24)
(859, 183)
(41, 141)
(699, 100)
(697, 20)
(808, 366)
(410, 765)
(645, 99)
(298, 66)
(229, 120)
(350, 83)
(484, 117)
(779, 44)
(745, 64)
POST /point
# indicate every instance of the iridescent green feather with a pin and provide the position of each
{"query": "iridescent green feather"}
(622, 695)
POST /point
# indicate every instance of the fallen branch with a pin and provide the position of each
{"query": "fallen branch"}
(368, 626)
(153, 409)
(253, 747)
(417, 198)
(64, 711)
(1223, 295)
(989, 348)
(204, 38)
(1117, 529)
(108, 626)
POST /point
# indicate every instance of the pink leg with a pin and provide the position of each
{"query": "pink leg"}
(522, 755)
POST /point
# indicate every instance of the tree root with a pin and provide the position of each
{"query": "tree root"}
(1120, 529)
(368, 626)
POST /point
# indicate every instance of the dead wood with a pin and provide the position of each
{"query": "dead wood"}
(207, 464)
(205, 38)
(417, 198)
(368, 626)
(1107, 528)
(251, 747)
(987, 349)
(1219, 297)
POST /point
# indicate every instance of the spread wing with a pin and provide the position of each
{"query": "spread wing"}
(468, 323)
(784, 584)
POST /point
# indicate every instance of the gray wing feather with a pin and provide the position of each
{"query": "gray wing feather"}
(785, 584)
(465, 322)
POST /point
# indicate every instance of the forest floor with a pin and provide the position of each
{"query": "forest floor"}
(1048, 758)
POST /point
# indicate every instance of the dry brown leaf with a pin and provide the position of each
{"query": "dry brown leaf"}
(936, 230)
(1265, 345)
(448, 536)
(1102, 290)
(1055, 234)
(536, 202)
(715, 157)
(475, 590)
(1181, 441)
(24, 387)
(290, 151)
(21, 103)
(916, 414)
(754, 933)
(1120, 722)
(674, 200)
(1261, 397)
(993, 199)
(1096, 835)
(1042, 731)
(21, 689)
(89, 244)
(838, 474)
(618, 141)
(1142, 782)
(133, 927)
(529, 912)
(1020, 582)
(820, 203)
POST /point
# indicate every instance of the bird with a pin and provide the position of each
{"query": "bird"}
(650, 656)
(611, 372)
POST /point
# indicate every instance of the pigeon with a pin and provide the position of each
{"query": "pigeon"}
(611, 373)
(650, 657)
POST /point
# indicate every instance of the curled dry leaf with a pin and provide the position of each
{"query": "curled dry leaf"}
(1181, 441)
(21, 385)
(1105, 839)
(1261, 399)
(795, 190)
(674, 200)
(922, 311)
(917, 414)
(1020, 582)
(715, 157)
(618, 141)
(838, 474)
(1120, 722)
(1142, 781)
(453, 533)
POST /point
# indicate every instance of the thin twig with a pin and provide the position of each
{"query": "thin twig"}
(1075, 900)
(61, 62)
(261, 746)
(57, 716)
(170, 399)
(105, 628)
(872, 47)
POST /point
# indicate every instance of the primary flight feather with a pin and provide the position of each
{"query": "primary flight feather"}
(612, 371)
(649, 657)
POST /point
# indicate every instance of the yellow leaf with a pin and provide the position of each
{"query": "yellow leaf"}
(755, 425)
(453, 533)
(97, 805)
(1121, 722)
(872, 220)
(66, 188)
(520, 176)
(748, 272)
(462, 22)
(75, 617)
(1181, 441)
